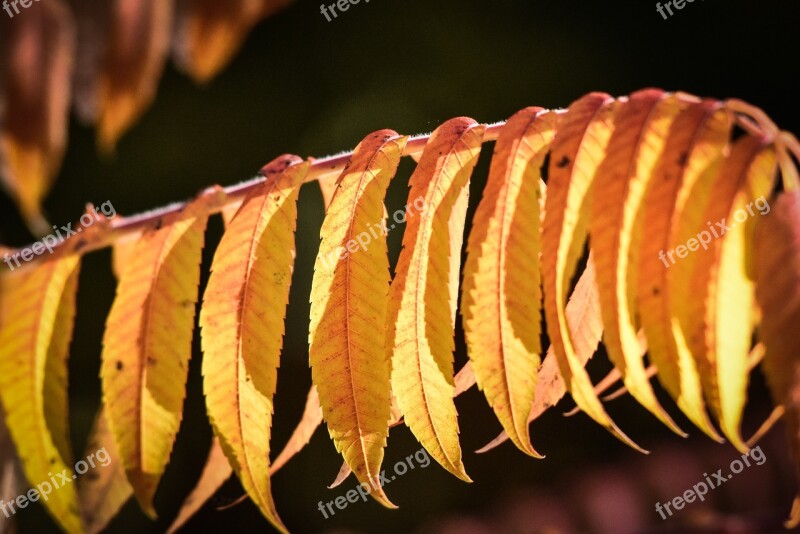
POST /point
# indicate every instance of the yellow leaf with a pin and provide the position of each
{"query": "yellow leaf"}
(106, 490)
(139, 38)
(723, 306)
(38, 313)
(579, 146)
(692, 155)
(216, 471)
(242, 321)
(502, 295)
(147, 345)
(38, 66)
(349, 296)
(421, 319)
(586, 326)
(640, 128)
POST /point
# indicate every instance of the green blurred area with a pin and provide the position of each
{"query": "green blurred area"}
(311, 87)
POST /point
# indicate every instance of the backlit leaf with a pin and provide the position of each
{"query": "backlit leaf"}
(242, 322)
(579, 147)
(640, 127)
(502, 295)
(421, 319)
(37, 306)
(147, 346)
(723, 307)
(681, 181)
(349, 297)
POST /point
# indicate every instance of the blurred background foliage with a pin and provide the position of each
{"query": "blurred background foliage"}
(303, 85)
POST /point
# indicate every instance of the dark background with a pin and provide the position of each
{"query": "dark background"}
(312, 87)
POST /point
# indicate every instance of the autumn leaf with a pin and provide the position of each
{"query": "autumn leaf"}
(131, 67)
(39, 64)
(777, 271)
(502, 283)
(586, 327)
(579, 147)
(103, 493)
(421, 319)
(37, 307)
(349, 297)
(216, 471)
(209, 32)
(640, 128)
(242, 325)
(722, 284)
(147, 345)
(681, 181)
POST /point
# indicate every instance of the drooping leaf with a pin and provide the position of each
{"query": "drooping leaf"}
(39, 60)
(586, 326)
(242, 322)
(106, 489)
(421, 319)
(134, 58)
(147, 346)
(210, 32)
(681, 182)
(640, 128)
(309, 422)
(349, 296)
(777, 270)
(720, 337)
(502, 284)
(37, 307)
(579, 147)
(216, 471)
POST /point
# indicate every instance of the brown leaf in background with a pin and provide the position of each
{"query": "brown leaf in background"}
(102, 492)
(777, 261)
(209, 32)
(39, 49)
(138, 41)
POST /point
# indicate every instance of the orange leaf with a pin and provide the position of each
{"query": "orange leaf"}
(242, 325)
(421, 319)
(693, 152)
(147, 345)
(502, 296)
